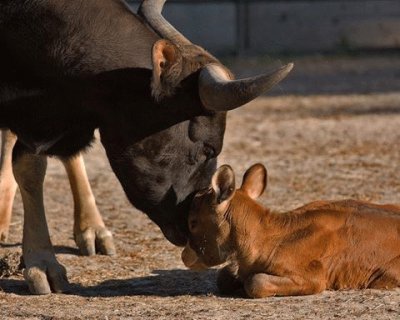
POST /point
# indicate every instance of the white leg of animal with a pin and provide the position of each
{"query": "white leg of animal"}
(42, 270)
(8, 185)
(90, 232)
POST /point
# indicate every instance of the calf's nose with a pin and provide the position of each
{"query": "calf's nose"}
(191, 260)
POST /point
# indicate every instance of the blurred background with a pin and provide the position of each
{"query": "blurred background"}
(287, 26)
(339, 46)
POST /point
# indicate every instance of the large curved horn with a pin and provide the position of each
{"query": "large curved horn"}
(219, 93)
(150, 10)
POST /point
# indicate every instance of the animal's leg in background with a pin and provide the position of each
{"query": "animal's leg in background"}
(263, 285)
(228, 281)
(90, 232)
(8, 185)
(42, 270)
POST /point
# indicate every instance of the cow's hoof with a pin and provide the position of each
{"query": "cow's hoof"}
(46, 277)
(95, 239)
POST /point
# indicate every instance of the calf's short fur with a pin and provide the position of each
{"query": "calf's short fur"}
(323, 245)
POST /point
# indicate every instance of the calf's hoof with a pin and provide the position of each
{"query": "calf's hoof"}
(95, 239)
(46, 277)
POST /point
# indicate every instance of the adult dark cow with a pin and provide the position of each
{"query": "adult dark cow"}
(68, 67)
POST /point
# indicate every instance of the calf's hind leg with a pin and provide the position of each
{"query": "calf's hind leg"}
(390, 277)
(42, 272)
(90, 232)
(263, 285)
(8, 185)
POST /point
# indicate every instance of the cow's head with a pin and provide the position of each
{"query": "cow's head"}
(163, 149)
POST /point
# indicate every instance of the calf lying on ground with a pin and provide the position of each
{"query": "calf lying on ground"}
(322, 245)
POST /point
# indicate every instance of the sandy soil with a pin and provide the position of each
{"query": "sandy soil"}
(319, 140)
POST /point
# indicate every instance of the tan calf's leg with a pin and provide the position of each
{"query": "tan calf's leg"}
(389, 277)
(8, 185)
(263, 285)
(42, 270)
(89, 230)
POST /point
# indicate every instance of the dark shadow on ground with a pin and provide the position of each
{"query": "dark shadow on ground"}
(332, 112)
(164, 283)
(322, 112)
(57, 249)
(66, 250)
(10, 245)
(14, 286)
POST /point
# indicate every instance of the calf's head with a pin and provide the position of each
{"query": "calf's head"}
(164, 148)
(215, 214)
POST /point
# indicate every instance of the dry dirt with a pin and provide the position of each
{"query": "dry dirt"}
(332, 131)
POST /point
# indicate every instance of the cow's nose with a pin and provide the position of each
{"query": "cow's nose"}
(175, 235)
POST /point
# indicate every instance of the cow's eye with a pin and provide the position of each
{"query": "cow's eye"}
(209, 151)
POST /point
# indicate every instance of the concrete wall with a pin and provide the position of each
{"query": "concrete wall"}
(328, 25)
(288, 26)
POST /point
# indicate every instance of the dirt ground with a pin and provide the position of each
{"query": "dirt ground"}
(331, 131)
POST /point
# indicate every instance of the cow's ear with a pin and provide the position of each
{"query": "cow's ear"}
(223, 184)
(255, 181)
(167, 67)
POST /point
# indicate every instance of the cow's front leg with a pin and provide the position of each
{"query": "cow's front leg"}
(90, 233)
(263, 285)
(42, 270)
(8, 186)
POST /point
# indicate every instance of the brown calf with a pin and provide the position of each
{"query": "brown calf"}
(322, 245)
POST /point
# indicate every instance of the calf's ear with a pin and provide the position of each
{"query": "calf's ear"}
(223, 184)
(255, 181)
(167, 67)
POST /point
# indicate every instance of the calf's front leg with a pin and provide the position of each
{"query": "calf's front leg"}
(42, 272)
(8, 186)
(228, 281)
(263, 285)
(90, 233)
